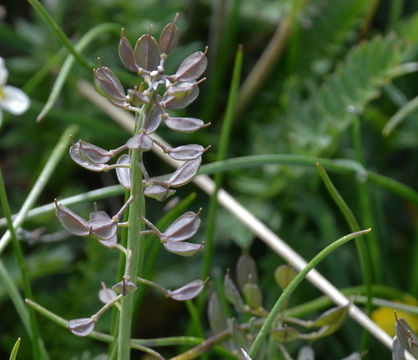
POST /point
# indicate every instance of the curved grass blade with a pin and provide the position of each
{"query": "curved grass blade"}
(15, 349)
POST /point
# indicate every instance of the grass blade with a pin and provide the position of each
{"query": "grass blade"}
(15, 349)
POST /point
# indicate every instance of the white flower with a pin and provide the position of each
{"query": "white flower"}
(12, 99)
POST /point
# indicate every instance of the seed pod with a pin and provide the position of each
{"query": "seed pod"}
(102, 225)
(180, 96)
(283, 275)
(169, 36)
(182, 248)
(158, 192)
(152, 121)
(407, 336)
(182, 228)
(147, 52)
(126, 54)
(109, 243)
(186, 152)
(81, 327)
(188, 291)
(330, 317)
(94, 153)
(124, 287)
(285, 334)
(107, 82)
(137, 98)
(106, 295)
(71, 222)
(253, 295)
(140, 141)
(185, 125)
(238, 336)
(246, 271)
(124, 174)
(78, 156)
(398, 351)
(216, 316)
(231, 292)
(185, 173)
(192, 67)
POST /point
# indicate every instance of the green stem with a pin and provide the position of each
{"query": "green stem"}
(402, 113)
(40, 183)
(23, 268)
(59, 32)
(339, 166)
(365, 207)
(292, 286)
(135, 243)
(354, 227)
(223, 146)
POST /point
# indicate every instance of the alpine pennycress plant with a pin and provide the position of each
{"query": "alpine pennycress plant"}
(157, 93)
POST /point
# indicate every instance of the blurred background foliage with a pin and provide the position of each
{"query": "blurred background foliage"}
(340, 66)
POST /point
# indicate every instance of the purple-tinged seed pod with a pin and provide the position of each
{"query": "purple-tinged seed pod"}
(71, 222)
(124, 287)
(192, 67)
(140, 141)
(147, 52)
(169, 36)
(126, 53)
(188, 291)
(183, 228)
(185, 173)
(102, 225)
(182, 248)
(108, 84)
(187, 152)
(109, 243)
(81, 327)
(187, 97)
(106, 295)
(124, 174)
(79, 157)
(158, 192)
(184, 125)
(152, 121)
(94, 153)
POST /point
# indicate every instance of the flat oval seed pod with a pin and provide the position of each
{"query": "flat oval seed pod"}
(106, 295)
(169, 37)
(81, 327)
(158, 192)
(109, 84)
(102, 225)
(231, 292)
(137, 98)
(332, 316)
(188, 291)
(126, 54)
(124, 174)
(185, 173)
(246, 271)
(216, 316)
(183, 228)
(147, 52)
(192, 67)
(185, 125)
(182, 248)
(407, 336)
(109, 242)
(174, 103)
(283, 275)
(124, 287)
(140, 141)
(79, 158)
(398, 351)
(94, 153)
(71, 222)
(186, 152)
(285, 334)
(152, 121)
(253, 295)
